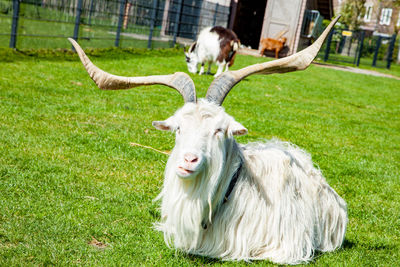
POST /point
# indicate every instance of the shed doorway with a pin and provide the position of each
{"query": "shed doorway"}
(248, 21)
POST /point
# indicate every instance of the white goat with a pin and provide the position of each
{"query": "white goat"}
(238, 202)
(280, 207)
(215, 44)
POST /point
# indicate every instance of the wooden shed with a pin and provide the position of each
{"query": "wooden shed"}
(298, 20)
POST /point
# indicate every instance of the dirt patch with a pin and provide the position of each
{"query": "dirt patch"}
(95, 243)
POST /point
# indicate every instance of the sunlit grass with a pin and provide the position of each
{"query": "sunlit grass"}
(68, 173)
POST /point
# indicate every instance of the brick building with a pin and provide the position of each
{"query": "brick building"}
(381, 17)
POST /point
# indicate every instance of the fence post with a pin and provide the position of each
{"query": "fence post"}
(90, 12)
(378, 45)
(215, 14)
(390, 51)
(153, 21)
(120, 20)
(77, 20)
(360, 48)
(328, 46)
(14, 25)
(178, 15)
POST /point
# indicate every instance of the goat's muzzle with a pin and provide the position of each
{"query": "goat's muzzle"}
(190, 165)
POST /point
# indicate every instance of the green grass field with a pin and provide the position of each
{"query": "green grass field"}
(365, 63)
(68, 174)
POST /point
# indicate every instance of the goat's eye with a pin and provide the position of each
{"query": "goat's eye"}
(178, 130)
(218, 131)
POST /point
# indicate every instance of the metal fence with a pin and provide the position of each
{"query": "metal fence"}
(105, 23)
(356, 48)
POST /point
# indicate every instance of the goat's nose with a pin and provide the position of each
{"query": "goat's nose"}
(190, 158)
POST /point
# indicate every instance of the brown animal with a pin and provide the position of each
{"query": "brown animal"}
(272, 44)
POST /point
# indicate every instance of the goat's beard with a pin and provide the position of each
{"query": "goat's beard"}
(188, 206)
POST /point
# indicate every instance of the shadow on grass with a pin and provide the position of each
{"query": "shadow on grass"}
(348, 244)
(370, 246)
(63, 54)
(377, 247)
(202, 260)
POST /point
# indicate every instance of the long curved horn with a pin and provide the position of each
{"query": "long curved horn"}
(179, 81)
(221, 86)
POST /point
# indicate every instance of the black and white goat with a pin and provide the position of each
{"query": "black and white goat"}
(238, 202)
(215, 44)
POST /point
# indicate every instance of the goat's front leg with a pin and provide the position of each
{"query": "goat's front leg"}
(221, 66)
(201, 69)
(227, 67)
(209, 67)
(262, 51)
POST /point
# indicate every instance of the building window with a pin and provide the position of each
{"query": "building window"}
(368, 13)
(386, 15)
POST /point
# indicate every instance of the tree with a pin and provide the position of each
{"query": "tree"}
(353, 13)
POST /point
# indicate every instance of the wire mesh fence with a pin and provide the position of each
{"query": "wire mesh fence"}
(355, 48)
(105, 23)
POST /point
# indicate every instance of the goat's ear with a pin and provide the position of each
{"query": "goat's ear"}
(164, 125)
(237, 129)
(192, 47)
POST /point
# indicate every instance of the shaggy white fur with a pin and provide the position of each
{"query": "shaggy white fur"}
(281, 208)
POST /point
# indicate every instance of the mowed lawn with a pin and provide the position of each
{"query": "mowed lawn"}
(73, 191)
